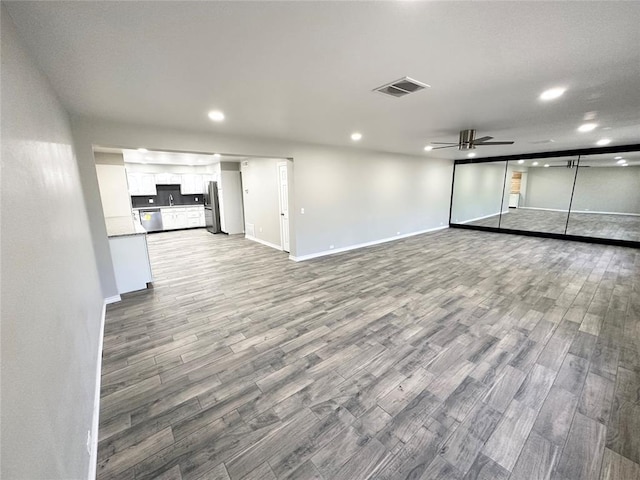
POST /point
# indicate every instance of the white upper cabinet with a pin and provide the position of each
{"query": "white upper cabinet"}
(188, 184)
(162, 178)
(191, 184)
(141, 183)
(168, 179)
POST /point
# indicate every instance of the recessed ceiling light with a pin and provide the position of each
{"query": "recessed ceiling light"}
(216, 115)
(617, 158)
(546, 165)
(428, 148)
(520, 162)
(535, 164)
(587, 127)
(621, 161)
(552, 93)
(143, 150)
(216, 155)
(356, 136)
(471, 155)
(603, 141)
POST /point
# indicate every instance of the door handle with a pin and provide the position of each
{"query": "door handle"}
(282, 214)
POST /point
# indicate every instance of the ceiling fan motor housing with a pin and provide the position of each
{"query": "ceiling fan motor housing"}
(466, 140)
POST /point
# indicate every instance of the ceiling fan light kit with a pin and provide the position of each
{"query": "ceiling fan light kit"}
(468, 141)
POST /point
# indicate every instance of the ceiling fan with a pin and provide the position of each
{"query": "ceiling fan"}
(570, 164)
(468, 141)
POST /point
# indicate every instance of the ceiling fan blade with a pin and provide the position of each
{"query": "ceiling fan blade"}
(492, 143)
(444, 143)
(481, 139)
(448, 146)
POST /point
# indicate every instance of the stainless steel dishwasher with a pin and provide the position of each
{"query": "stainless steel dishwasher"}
(151, 219)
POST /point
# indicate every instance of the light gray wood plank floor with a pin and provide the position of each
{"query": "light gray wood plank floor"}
(599, 225)
(457, 354)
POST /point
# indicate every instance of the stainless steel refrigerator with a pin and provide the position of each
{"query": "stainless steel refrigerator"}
(212, 208)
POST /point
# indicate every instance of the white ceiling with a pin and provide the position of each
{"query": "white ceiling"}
(305, 70)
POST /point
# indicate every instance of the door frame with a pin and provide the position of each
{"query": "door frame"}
(284, 163)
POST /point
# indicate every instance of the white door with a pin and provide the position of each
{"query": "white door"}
(283, 187)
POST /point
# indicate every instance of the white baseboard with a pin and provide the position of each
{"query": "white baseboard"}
(114, 299)
(581, 211)
(362, 245)
(483, 217)
(263, 242)
(93, 447)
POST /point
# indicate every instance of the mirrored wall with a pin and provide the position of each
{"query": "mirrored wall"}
(592, 193)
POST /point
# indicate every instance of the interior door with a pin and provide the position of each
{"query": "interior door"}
(283, 185)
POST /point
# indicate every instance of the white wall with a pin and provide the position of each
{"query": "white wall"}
(350, 195)
(260, 194)
(114, 190)
(478, 191)
(51, 298)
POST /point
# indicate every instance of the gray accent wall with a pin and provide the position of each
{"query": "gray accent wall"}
(598, 189)
(51, 297)
(549, 187)
(608, 189)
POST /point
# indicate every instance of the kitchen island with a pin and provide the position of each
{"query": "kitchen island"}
(129, 254)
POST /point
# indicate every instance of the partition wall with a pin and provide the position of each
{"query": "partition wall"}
(590, 195)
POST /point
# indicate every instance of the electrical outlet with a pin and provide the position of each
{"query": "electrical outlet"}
(151, 200)
(330, 247)
(397, 233)
(302, 211)
(260, 229)
(196, 199)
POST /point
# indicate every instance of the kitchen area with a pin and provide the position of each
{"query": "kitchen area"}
(145, 192)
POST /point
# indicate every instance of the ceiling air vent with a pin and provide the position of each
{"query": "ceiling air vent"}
(402, 87)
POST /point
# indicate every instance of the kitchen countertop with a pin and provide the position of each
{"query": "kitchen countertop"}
(123, 226)
(151, 206)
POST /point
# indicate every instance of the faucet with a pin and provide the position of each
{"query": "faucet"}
(170, 200)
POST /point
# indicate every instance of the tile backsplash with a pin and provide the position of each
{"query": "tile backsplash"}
(162, 198)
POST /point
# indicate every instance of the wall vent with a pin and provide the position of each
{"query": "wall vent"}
(401, 87)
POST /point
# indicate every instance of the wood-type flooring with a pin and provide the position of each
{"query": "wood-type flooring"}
(598, 225)
(451, 355)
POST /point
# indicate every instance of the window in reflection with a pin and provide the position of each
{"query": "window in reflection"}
(606, 200)
(539, 194)
(477, 194)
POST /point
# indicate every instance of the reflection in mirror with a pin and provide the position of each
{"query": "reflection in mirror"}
(606, 199)
(477, 194)
(539, 194)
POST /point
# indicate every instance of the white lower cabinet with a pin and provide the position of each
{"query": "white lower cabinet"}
(182, 217)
